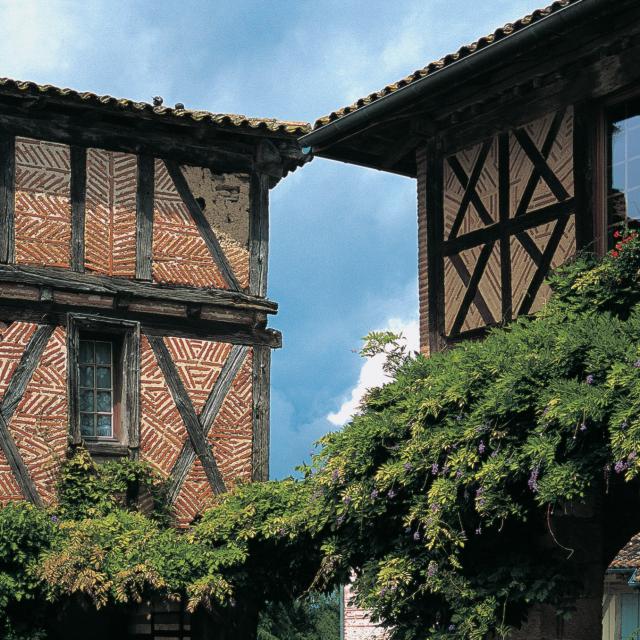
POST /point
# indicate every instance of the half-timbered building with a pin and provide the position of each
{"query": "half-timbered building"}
(525, 147)
(133, 282)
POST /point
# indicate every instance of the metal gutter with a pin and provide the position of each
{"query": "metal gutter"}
(532, 34)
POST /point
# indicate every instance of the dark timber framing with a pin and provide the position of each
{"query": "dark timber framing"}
(7, 204)
(78, 206)
(144, 217)
(261, 403)
(259, 234)
(495, 234)
(197, 435)
(202, 223)
(207, 417)
(13, 395)
(129, 330)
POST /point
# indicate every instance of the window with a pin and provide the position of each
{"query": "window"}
(96, 388)
(103, 381)
(623, 188)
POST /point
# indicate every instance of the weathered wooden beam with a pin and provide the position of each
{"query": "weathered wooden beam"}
(261, 403)
(144, 217)
(435, 237)
(514, 226)
(73, 130)
(7, 202)
(25, 310)
(258, 234)
(14, 393)
(64, 279)
(187, 413)
(504, 213)
(203, 225)
(78, 205)
(211, 408)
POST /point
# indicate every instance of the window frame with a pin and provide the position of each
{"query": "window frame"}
(601, 157)
(125, 335)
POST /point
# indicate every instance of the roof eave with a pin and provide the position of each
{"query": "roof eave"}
(333, 131)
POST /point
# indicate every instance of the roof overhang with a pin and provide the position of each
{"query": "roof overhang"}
(394, 116)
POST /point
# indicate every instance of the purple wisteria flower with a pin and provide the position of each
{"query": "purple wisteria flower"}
(434, 507)
(458, 474)
(383, 591)
(583, 426)
(340, 520)
(432, 569)
(374, 494)
(481, 447)
(416, 536)
(533, 480)
(590, 379)
(446, 469)
(632, 456)
(479, 531)
(636, 364)
(346, 500)
(391, 494)
(451, 627)
(435, 468)
(624, 425)
(54, 519)
(335, 476)
(620, 466)
(407, 466)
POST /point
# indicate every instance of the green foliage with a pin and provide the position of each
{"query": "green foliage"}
(316, 617)
(462, 454)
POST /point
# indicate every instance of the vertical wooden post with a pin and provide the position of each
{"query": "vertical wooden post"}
(261, 395)
(435, 238)
(144, 217)
(258, 234)
(78, 205)
(7, 197)
(505, 238)
(589, 217)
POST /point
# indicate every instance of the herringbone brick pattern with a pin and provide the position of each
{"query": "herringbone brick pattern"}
(232, 431)
(42, 203)
(180, 255)
(12, 344)
(231, 439)
(560, 161)
(110, 233)
(237, 256)
(162, 432)
(40, 423)
(199, 363)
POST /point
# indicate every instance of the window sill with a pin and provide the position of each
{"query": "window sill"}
(106, 448)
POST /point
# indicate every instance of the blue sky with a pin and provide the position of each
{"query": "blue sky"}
(343, 238)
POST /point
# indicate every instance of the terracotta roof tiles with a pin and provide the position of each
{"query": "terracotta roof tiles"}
(273, 125)
(498, 34)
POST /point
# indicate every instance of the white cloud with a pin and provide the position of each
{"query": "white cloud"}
(372, 374)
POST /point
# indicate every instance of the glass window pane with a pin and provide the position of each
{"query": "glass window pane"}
(633, 204)
(86, 424)
(617, 143)
(104, 426)
(104, 401)
(103, 377)
(86, 376)
(103, 352)
(86, 400)
(86, 351)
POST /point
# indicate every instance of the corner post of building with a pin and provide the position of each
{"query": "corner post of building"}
(433, 197)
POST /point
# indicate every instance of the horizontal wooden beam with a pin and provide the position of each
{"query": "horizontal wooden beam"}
(53, 313)
(513, 226)
(66, 280)
(103, 135)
